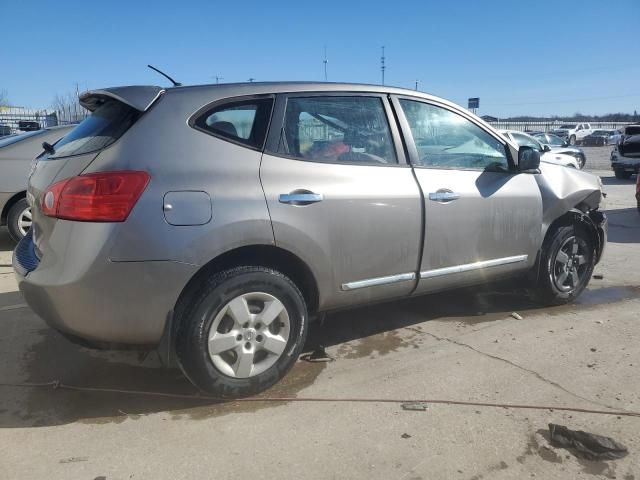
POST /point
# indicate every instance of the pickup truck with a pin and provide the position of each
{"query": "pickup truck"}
(573, 132)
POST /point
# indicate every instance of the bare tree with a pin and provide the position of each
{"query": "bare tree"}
(4, 98)
(68, 107)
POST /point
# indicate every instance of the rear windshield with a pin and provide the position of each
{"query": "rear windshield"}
(99, 130)
(632, 131)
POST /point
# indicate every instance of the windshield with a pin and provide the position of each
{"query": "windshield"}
(602, 132)
(525, 140)
(632, 131)
(103, 127)
(555, 140)
(568, 126)
(10, 140)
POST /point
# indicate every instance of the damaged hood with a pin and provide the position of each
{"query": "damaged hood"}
(565, 188)
(140, 97)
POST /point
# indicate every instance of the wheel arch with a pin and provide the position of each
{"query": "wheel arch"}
(268, 256)
(10, 203)
(575, 216)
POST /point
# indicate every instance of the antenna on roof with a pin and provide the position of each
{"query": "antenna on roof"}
(175, 84)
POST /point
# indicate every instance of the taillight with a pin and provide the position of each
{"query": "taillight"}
(95, 197)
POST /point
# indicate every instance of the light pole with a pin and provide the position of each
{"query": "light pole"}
(325, 61)
(382, 65)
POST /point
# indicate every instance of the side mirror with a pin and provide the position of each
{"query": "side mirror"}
(528, 159)
(546, 148)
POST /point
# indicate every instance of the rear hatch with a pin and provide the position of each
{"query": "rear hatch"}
(630, 143)
(114, 111)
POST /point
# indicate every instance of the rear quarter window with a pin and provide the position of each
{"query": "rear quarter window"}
(239, 121)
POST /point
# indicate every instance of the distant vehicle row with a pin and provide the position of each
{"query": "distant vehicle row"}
(582, 133)
(552, 149)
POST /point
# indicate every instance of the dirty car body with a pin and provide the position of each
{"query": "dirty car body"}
(214, 220)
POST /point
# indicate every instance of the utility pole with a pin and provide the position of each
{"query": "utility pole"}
(416, 85)
(325, 63)
(382, 65)
(218, 78)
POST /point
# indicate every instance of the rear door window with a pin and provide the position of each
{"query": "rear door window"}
(243, 121)
(99, 130)
(339, 129)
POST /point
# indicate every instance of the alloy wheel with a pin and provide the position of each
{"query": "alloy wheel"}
(248, 335)
(570, 264)
(25, 221)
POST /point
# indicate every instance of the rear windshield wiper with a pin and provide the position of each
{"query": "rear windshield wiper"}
(48, 148)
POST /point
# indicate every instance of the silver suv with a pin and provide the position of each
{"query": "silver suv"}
(214, 221)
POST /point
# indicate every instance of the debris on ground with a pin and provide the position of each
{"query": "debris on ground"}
(598, 276)
(593, 349)
(405, 435)
(517, 316)
(586, 445)
(318, 355)
(415, 406)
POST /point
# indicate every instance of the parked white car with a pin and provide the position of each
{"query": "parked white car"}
(573, 132)
(546, 155)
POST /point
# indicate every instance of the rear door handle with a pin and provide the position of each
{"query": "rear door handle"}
(443, 196)
(300, 198)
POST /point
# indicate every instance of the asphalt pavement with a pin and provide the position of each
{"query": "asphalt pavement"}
(459, 346)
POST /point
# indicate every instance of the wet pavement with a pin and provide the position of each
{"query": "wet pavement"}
(462, 345)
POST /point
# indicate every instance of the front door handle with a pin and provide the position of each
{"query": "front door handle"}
(304, 197)
(443, 196)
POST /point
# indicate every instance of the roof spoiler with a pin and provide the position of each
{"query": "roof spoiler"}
(138, 97)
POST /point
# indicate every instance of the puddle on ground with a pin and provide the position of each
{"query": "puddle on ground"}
(365, 332)
(373, 346)
(54, 358)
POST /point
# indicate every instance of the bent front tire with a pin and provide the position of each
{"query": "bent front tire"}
(567, 263)
(242, 333)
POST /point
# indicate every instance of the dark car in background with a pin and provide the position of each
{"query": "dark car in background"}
(625, 156)
(16, 154)
(638, 192)
(560, 145)
(599, 138)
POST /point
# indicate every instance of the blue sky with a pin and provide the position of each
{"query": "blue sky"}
(542, 58)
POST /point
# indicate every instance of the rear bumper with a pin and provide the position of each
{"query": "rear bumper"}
(104, 301)
(626, 166)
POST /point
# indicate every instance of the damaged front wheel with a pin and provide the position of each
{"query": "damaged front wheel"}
(567, 263)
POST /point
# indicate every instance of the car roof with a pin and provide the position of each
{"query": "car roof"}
(141, 97)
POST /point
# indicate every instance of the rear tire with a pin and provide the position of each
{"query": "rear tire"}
(566, 265)
(19, 220)
(622, 175)
(241, 332)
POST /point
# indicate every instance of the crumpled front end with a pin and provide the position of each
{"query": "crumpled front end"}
(570, 192)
